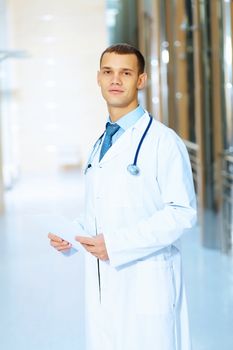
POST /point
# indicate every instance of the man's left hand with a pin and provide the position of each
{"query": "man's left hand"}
(94, 245)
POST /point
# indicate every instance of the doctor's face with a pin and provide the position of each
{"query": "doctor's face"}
(119, 80)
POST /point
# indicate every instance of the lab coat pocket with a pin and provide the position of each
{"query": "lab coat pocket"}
(127, 191)
(134, 189)
(155, 291)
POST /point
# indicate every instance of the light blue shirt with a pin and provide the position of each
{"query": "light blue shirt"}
(127, 121)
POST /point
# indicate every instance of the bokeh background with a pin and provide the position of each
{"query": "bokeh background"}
(51, 113)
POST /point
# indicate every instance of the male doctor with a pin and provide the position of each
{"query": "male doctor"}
(135, 296)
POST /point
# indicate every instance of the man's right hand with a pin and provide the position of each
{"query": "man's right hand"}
(58, 243)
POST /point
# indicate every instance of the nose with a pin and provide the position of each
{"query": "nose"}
(116, 79)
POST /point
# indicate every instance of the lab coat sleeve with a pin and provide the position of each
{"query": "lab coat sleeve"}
(177, 212)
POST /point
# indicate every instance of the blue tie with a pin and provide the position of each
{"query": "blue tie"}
(111, 129)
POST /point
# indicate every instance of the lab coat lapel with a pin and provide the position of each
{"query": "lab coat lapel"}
(124, 142)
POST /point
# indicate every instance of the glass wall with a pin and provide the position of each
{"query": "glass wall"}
(188, 44)
(227, 154)
(122, 21)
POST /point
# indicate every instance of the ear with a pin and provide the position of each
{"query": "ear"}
(98, 80)
(141, 81)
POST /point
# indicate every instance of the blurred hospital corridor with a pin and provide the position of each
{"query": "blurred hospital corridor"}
(41, 290)
(51, 114)
(41, 295)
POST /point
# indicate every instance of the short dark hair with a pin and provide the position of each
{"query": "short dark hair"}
(126, 49)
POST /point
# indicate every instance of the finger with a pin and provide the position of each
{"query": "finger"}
(54, 237)
(90, 249)
(64, 249)
(56, 245)
(87, 247)
(85, 240)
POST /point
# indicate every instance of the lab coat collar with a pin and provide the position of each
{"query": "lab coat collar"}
(130, 118)
(124, 140)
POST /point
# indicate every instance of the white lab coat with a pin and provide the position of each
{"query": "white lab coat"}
(143, 304)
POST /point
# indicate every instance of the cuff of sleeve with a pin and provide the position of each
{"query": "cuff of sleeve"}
(70, 252)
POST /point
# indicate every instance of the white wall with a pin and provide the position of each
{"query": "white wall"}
(59, 106)
(2, 46)
(1, 178)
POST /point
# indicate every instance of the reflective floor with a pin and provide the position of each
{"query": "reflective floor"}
(41, 292)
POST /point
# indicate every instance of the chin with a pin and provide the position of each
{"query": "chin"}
(114, 102)
(117, 104)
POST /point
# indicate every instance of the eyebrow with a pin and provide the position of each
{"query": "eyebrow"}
(124, 69)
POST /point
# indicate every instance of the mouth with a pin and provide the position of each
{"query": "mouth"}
(115, 91)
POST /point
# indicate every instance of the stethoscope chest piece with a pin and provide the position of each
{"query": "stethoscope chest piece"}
(133, 169)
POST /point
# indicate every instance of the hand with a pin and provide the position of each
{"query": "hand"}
(59, 243)
(94, 245)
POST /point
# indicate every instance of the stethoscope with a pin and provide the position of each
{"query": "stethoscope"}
(133, 168)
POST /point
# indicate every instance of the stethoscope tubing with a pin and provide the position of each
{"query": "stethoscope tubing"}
(132, 168)
(141, 141)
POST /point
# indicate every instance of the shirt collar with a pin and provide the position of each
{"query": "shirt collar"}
(130, 118)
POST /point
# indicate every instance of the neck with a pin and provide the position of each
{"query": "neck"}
(117, 112)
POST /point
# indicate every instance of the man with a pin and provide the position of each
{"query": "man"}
(135, 297)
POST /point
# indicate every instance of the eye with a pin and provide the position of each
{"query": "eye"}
(106, 72)
(127, 73)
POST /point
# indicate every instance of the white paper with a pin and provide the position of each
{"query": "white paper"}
(63, 228)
